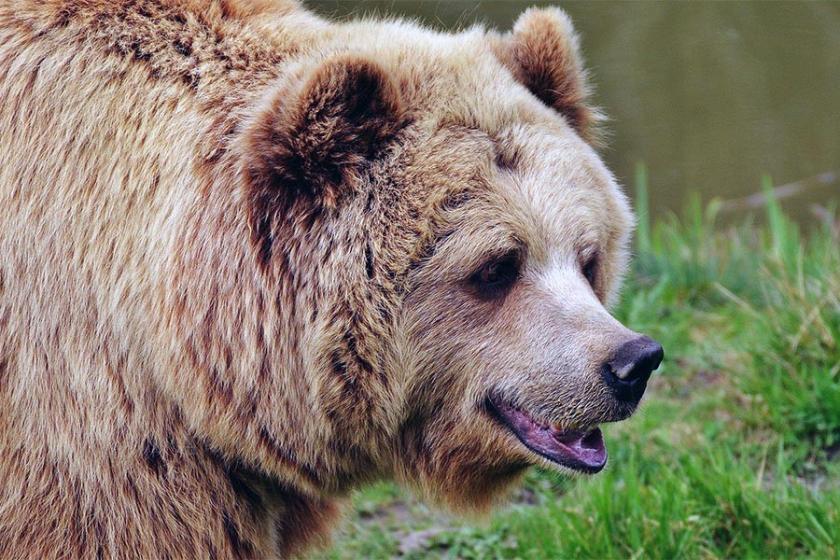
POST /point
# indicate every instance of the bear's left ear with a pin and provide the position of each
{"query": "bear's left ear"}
(316, 132)
(542, 53)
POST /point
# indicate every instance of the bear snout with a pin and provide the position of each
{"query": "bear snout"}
(628, 370)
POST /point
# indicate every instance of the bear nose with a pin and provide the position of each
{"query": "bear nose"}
(627, 372)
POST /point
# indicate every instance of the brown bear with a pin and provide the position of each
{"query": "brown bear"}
(251, 259)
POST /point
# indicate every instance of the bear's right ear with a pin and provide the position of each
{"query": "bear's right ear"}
(316, 132)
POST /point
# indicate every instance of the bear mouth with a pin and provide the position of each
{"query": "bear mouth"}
(578, 450)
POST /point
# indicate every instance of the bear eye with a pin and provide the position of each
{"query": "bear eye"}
(495, 277)
(590, 269)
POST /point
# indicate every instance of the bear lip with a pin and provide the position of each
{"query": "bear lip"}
(579, 450)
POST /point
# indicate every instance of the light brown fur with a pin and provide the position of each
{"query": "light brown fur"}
(235, 239)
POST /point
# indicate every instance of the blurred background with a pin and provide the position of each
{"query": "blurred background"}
(725, 131)
(709, 95)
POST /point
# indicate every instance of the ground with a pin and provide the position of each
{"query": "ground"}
(736, 450)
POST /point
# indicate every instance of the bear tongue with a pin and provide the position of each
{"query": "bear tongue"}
(578, 450)
(588, 447)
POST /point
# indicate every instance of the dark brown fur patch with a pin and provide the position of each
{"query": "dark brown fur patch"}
(286, 457)
(318, 513)
(183, 46)
(352, 347)
(240, 547)
(369, 261)
(152, 457)
(506, 157)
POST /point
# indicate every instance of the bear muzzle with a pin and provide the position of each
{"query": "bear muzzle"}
(581, 447)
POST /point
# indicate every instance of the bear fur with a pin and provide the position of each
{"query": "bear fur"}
(244, 268)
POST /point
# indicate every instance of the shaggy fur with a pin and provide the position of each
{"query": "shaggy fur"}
(237, 244)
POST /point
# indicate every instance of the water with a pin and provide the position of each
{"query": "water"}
(710, 96)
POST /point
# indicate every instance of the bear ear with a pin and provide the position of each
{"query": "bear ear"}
(316, 133)
(542, 53)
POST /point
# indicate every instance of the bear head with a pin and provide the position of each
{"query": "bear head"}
(439, 199)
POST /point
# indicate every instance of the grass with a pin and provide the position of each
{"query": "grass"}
(735, 452)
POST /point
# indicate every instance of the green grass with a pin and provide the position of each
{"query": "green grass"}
(736, 450)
